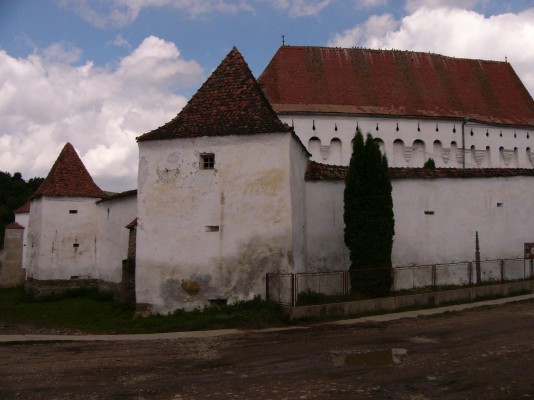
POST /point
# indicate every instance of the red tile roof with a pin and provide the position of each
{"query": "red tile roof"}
(68, 178)
(132, 224)
(24, 209)
(392, 82)
(14, 225)
(229, 103)
(322, 172)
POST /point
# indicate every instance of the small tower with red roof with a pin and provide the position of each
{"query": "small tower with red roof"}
(63, 225)
(220, 196)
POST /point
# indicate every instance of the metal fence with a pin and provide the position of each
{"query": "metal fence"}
(286, 287)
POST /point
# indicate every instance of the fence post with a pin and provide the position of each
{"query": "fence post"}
(470, 272)
(293, 294)
(434, 277)
(531, 269)
(267, 297)
(502, 270)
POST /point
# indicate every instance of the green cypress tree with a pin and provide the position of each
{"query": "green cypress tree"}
(368, 217)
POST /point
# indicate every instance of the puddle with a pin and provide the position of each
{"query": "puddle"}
(378, 357)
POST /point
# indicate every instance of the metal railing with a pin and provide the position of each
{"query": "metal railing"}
(286, 287)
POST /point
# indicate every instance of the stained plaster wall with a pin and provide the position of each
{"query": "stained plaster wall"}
(498, 208)
(11, 272)
(52, 234)
(182, 259)
(298, 160)
(328, 138)
(325, 226)
(112, 236)
(455, 209)
(24, 220)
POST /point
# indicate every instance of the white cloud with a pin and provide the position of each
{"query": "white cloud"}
(371, 3)
(413, 5)
(301, 8)
(375, 26)
(453, 32)
(120, 13)
(46, 102)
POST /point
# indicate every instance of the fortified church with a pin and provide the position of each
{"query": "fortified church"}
(248, 178)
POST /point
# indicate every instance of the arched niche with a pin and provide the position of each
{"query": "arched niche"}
(419, 154)
(398, 153)
(381, 145)
(314, 147)
(439, 153)
(530, 156)
(335, 152)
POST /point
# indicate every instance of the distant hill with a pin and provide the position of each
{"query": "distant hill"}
(14, 192)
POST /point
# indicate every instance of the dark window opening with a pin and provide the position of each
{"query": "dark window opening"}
(207, 161)
(73, 211)
(212, 228)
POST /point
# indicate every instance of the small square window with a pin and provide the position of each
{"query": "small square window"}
(207, 161)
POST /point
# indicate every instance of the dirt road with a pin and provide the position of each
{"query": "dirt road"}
(478, 354)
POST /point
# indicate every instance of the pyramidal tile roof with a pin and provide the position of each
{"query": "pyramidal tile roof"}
(68, 178)
(14, 225)
(395, 83)
(230, 102)
(24, 209)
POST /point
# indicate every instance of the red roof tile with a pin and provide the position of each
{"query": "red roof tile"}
(14, 225)
(24, 209)
(229, 103)
(322, 172)
(392, 82)
(68, 178)
(132, 224)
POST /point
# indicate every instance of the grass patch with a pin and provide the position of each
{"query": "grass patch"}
(93, 312)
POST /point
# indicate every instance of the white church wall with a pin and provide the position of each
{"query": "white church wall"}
(212, 233)
(62, 238)
(112, 237)
(435, 221)
(485, 145)
(325, 226)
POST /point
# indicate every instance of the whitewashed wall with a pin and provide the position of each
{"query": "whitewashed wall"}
(328, 138)
(325, 226)
(182, 259)
(298, 162)
(53, 235)
(112, 237)
(435, 220)
(24, 220)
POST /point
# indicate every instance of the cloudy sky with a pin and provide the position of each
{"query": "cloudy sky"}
(99, 73)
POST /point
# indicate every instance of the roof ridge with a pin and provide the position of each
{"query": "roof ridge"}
(230, 102)
(394, 51)
(68, 178)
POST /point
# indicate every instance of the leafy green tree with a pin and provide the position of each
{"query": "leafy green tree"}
(14, 192)
(368, 217)
(429, 164)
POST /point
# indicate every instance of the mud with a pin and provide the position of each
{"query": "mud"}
(479, 354)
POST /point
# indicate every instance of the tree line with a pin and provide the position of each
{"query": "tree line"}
(14, 192)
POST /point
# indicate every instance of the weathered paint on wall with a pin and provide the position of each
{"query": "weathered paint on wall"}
(220, 230)
(62, 238)
(112, 236)
(11, 271)
(328, 138)
(435, 220)
(298, 158)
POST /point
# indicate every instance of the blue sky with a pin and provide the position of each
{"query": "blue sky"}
(99, 73)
